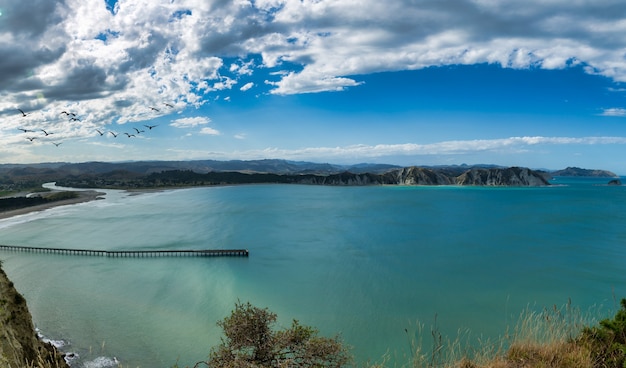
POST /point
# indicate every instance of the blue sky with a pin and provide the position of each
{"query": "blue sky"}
(514, 83)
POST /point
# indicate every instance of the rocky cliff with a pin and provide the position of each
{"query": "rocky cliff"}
(19, 345)
(420, 176)
(512, 176)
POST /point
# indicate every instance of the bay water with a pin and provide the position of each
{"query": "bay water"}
(367, 263)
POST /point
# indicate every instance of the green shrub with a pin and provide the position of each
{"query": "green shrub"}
(608, 340)
(250, 341)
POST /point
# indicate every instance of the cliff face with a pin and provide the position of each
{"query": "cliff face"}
(512, 176)
(19, 344)
(421, 176)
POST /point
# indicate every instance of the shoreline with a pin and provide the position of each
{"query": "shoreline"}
(83, 196)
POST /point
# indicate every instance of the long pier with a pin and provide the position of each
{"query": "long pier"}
(131, 253)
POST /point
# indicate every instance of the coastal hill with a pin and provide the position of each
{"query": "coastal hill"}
(513, 176)
(151, 174)
(576, 171)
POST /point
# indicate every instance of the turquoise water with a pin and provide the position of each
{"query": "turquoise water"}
(364, 262)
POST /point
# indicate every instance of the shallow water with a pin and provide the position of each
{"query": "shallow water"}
(365, 262)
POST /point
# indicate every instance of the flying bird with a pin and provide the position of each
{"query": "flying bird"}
(68, 113)
(114, 134)
(139, 131)
(129, 135)
(154, 109)
(168, 105)
(31, 138)
(46, 133)
(74, 119)
(57, 144)
(99, 132)
(150, 126)
(23, 113)
(25, 130)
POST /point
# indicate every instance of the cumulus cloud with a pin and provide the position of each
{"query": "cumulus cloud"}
(111, 64)
(174, 46)
(190, 122)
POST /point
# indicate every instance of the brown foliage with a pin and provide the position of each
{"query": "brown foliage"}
(250, 341)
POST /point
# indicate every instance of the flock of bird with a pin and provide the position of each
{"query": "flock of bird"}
(72, 117)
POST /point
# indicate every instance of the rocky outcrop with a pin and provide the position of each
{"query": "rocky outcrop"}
(577, 171)
(19, 344)
(419, 176)
(512, 176)
(615, 182)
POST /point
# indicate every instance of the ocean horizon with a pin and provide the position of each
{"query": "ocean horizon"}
(367, 263)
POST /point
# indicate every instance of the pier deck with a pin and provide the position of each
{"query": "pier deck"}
(130, 253)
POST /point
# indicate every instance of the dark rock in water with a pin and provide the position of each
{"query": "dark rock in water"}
(615, 182)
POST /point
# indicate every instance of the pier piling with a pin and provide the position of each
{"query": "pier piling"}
(131, 253)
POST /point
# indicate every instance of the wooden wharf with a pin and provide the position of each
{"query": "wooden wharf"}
(131, 253)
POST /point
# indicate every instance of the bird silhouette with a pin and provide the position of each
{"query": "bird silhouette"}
(46, 133)
(114, 134)
(150, 126)
(154, 109)
(99, 132)
(139, 131)
(57, 144)
(31, 138)
(74, 119)
(129, 135)
(23, 113)
(68, 113)
(168, 105)
(25, 130)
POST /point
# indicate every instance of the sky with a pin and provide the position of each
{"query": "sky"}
(533, 83)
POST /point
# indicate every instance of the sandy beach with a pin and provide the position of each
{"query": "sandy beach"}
(83, 196)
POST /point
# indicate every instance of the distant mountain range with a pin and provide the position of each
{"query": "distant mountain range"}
(210, 172)
(273, 166)
(200, 166)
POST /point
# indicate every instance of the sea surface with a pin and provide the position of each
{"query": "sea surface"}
(367, 263)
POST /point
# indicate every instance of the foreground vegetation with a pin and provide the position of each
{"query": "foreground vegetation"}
(553, 338)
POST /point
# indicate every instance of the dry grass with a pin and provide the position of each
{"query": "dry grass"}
(545, 339)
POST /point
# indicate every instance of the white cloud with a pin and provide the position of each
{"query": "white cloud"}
(247, 86)
(190, 122)
(615, 111)
(152, 51)
(460, 147)
(209, 131)
(225, 83)
(112, 67)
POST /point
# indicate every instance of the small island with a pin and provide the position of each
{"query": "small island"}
(577, 171)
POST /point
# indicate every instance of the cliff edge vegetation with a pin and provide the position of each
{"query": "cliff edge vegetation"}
(554, 338)
(20, 347)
